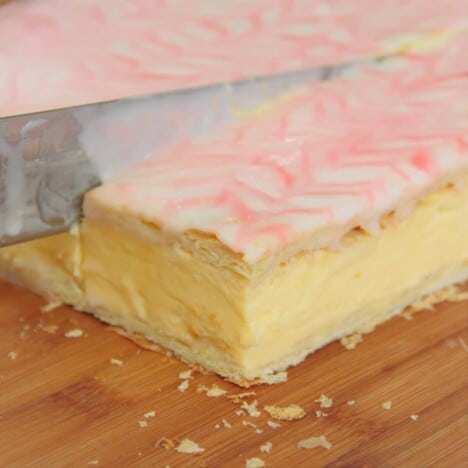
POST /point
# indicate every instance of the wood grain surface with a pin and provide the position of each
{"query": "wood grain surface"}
(63, 404)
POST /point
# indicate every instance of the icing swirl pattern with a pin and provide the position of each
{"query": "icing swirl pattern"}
(57, 53)
(336, 154)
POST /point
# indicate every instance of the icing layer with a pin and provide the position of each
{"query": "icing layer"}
(55, 53)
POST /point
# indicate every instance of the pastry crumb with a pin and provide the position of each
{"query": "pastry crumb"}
(414, 417)
(351, 402)
(240, 396)
(325, 402)
(149, 414)
(449, 294)
(240, 412)
(320, 414)
(189, 446)
(387, 405)
(49, 328)
(74, 333)
(249, 424)
(49, 307)
(186, 374)
(165, 443)
(143, 423)
(116, 362)
(93, 462)
(226, 424)
(275, 378)
(254, 463)
(214, 391)
(184, 385)
(12, 355)
(217, 426)
(313, 442)
(251, 408)
(351, 341)
(287, 413)
(273, 424)
(258, 431)
(266, 447)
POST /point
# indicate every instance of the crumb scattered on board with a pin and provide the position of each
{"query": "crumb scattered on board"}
(149, 414)
(214, 391)
(254, 463)
(184, 385)
(275, 378)
(49, 328)
(249, 424)
(273, 424)
(143, 423)
(51, 306)
(351, 341)
(226, 424)
(189, 446)
(351, 402)
(320, 414)
(325, 402)
(313, 442)
(266, 447)
(414, 417)
(251, 408)
(93, 462)
(237, 398)
(74, 333)
(387, 405)
(116, 362)
(165, 443)
(12, 355)
(186, 374)
(287, 413)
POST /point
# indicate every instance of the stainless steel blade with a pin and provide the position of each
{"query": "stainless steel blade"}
(48, 160)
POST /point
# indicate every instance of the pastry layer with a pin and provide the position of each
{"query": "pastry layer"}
(204, 302)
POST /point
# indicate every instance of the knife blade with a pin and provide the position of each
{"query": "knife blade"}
(50, 159)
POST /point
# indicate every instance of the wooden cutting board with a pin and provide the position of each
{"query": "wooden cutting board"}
(62, 402)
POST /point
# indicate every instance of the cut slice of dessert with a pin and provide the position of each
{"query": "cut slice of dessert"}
(326, 215)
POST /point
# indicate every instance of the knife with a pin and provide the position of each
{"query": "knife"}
(50, 159)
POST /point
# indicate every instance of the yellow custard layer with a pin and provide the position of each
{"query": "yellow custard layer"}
(197, 298)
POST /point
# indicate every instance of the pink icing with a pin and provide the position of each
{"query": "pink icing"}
(337, 154)
(57, 53)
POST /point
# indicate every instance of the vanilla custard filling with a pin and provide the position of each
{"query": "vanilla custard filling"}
(238, 325)
(209, 307)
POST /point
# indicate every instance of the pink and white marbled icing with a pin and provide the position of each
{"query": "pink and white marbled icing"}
(56, 53)
(337, 154)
